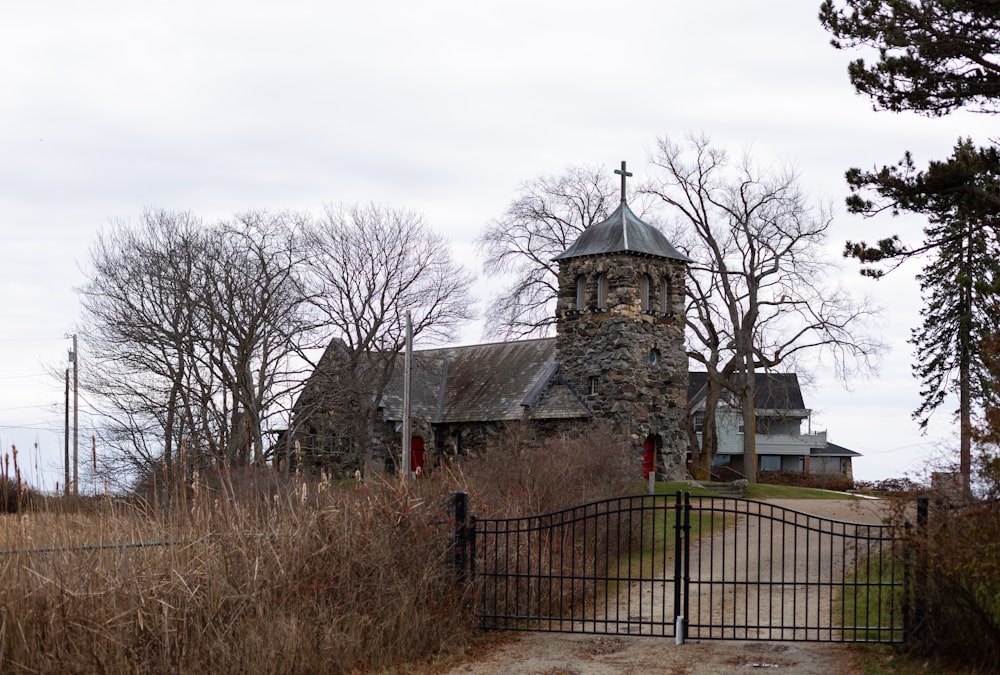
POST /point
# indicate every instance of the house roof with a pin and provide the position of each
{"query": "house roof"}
(834, 450)
(622, 232)
(772, 391)
(480, 383)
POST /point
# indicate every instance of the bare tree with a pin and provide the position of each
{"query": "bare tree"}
(188, 326)
(549, 214)
(759, 290)
(138, 320)
(253, 307)
(369, 266)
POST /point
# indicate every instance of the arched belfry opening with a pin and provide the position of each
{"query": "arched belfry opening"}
(624, 348)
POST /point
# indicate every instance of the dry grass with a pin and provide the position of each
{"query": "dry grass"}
(315, 581)
(286, 575)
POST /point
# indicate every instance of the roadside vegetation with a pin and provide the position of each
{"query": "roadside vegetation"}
(257, 572)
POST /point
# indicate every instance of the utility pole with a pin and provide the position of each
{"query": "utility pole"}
(76, 417)
(407, 359)
(66, 441)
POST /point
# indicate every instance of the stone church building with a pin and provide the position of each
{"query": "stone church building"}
(617, 357)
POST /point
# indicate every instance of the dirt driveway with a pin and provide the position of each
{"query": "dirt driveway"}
(554, 654)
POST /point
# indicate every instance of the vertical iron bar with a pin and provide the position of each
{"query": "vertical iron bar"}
(678, 564)
(687, 565)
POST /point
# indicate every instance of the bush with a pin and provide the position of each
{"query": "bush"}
(837, 482)
(956, 568)
(523, 474)
(960, 559)
(890, 487)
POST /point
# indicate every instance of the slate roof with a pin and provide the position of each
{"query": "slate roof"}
(772, 391)
(485, 383)
(622, 232)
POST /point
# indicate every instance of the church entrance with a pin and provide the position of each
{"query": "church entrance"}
(648, 457)
(417, 456)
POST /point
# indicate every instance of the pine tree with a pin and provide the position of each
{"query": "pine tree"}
(959, 283)
(933, 55)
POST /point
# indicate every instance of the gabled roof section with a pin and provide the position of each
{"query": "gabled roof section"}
(834, 450)
(772, 391)
(485, 383)
(622, 232)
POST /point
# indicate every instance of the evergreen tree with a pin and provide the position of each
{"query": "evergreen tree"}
(933, 55)
(959, 282)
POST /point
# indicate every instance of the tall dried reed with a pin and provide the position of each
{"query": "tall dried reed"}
(262, 573)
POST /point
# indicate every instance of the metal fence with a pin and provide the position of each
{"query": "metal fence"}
(687, 567)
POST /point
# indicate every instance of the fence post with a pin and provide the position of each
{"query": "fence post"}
(459, 533)
(680, 567)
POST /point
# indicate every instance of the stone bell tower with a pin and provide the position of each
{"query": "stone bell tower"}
(620, 331)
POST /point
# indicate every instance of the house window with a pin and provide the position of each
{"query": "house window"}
(602, 291)
(698, 421)
(580, 292)
(769, 462)
(739, 427)
(646, 307)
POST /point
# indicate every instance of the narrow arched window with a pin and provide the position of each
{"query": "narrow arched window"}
(580, 292)
(666, 291)
(646, 303)
(602, 291)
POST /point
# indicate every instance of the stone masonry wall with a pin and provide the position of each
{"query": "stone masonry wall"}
(629, 363)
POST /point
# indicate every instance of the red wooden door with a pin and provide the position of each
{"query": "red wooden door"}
(648, 457)
(417, 456)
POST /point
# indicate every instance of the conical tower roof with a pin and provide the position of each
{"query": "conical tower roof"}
(622, 232)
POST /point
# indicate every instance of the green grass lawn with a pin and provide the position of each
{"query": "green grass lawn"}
(873, 598)
(755, 491)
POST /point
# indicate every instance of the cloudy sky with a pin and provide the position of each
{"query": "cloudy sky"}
(108, 108)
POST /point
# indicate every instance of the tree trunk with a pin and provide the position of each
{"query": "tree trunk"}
(709, 434)
(747, 405)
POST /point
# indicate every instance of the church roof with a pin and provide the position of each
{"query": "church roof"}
(622, 232)
(479, 383)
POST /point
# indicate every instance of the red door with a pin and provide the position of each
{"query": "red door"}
(648, 457)
(417, 456)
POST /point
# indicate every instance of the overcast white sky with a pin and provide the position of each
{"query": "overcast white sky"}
(107, 108)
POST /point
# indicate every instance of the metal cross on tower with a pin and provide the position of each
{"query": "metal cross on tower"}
(624, 174)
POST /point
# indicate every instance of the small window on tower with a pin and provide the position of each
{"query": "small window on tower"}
(665, 293)
(592, 385)
(580, 294)
(602, 291)
(646, 304)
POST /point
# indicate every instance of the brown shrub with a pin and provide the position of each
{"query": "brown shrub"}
(957, 574)
(523, 474)
(836, 482)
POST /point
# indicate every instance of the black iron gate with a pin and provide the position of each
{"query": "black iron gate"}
(688, 567)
